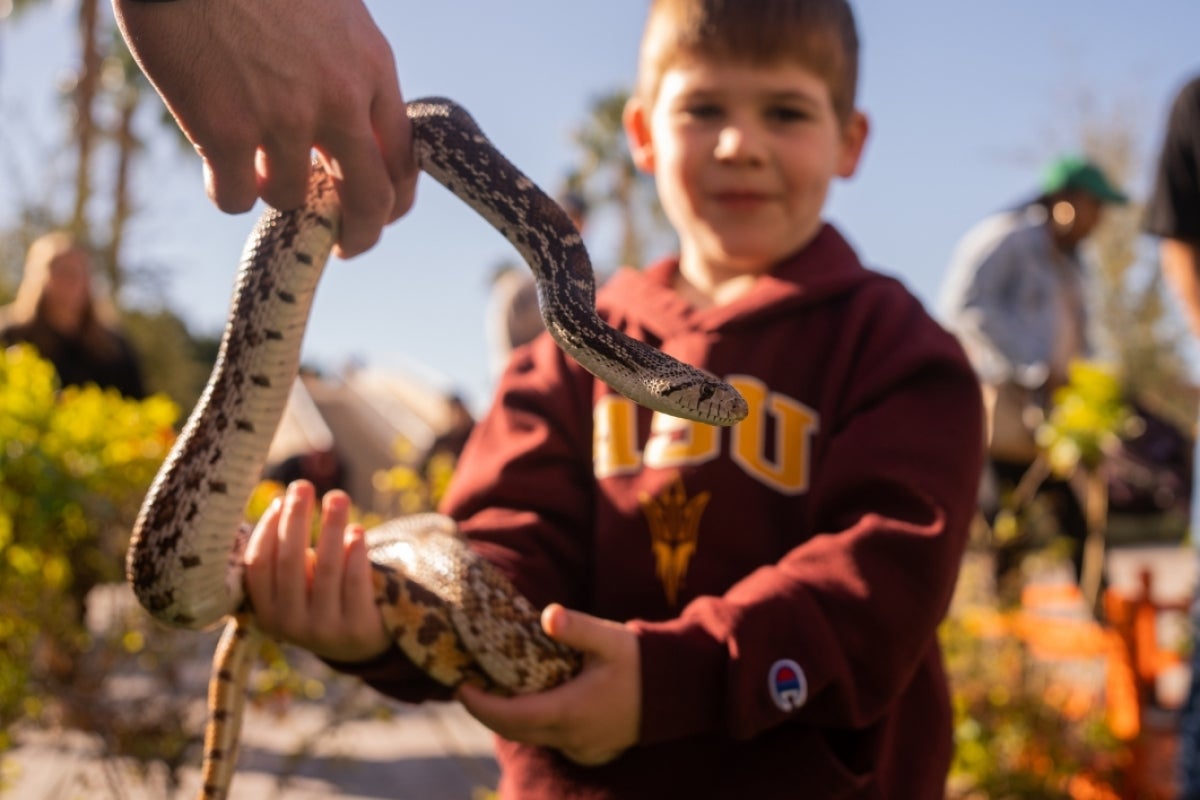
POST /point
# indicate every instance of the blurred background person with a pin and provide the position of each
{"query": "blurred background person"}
(1173, 214)
(1015, 295)
(58, 311)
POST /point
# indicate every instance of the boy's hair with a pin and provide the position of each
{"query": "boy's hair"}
(819, 35)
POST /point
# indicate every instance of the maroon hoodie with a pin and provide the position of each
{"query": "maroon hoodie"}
(785, 576)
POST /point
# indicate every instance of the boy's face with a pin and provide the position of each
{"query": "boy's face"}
(742, 156)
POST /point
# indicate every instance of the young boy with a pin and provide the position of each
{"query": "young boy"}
(761, 602)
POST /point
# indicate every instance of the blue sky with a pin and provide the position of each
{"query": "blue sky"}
(967, 100)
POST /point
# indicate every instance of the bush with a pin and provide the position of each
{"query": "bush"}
(1030, 719)
(75, 464)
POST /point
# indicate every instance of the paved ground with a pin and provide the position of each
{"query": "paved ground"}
(352, 743)
(425, 753)
(432, 752)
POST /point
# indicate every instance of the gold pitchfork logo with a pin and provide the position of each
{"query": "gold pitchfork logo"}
(674, 522)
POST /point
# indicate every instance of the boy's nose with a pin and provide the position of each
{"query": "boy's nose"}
(736, 143)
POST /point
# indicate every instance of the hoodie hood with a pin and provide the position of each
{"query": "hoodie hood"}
(825, 267)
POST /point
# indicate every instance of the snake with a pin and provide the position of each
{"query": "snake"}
(451, 612)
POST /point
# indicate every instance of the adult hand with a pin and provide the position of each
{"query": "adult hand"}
(257, 86)
(322, 600)
(592, 718)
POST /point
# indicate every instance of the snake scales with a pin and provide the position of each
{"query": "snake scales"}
(452, 613)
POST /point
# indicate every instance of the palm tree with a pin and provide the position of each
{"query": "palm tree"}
(126, 94)
(103, 97)
(83, 96)
(607, 177)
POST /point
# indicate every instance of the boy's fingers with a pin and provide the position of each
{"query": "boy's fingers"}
(529, 718)
(358, 595)
(327, 580)
(260, 555)
(291, 577)
(582, 631)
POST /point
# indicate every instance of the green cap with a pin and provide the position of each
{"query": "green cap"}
(1076, 172)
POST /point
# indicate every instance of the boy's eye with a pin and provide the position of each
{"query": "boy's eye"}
(787, 114)
(703, 111)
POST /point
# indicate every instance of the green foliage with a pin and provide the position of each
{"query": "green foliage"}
(406, 488)
(607, 177)
(74, 466)
(175, 362)
(1087, 420)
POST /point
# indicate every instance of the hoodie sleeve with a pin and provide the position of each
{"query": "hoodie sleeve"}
(523, 491)
(394, 674)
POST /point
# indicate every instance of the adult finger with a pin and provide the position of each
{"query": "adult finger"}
(364, 189)
(393, 130)
(230, 178)
(283, 169)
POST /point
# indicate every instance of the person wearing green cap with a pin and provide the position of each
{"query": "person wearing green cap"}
(1014, 295)
(1173, 214)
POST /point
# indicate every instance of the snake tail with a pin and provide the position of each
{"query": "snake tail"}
(226, 705)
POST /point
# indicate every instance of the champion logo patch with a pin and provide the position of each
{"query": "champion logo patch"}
(787, 684)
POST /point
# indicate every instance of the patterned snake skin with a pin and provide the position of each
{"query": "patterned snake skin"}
(451, 612)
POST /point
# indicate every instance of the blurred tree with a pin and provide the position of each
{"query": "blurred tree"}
(83, 94)
(104, 96)
(1137, 327)
(174, 361)
(607, 179)
(124, 84)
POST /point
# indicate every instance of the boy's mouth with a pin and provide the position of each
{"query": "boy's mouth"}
(741, 200)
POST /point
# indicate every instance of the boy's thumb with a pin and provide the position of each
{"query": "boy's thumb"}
(577, 629)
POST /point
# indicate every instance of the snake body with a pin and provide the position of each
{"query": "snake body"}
(451, 612)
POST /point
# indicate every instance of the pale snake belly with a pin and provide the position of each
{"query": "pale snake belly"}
(436, 597)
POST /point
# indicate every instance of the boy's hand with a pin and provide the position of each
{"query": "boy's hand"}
(592, 718)
(323, 599)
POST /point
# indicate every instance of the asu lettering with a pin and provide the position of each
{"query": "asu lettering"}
(772, 444)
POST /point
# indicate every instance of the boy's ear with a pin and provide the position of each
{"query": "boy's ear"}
(854, 139)
(636, 119)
